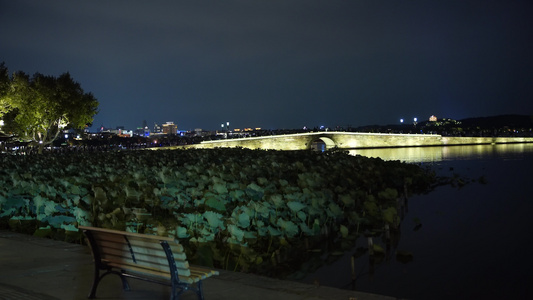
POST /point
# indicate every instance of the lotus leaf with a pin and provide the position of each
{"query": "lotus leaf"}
(388, 194)
(237, 195)
(377, 249)
(57, 221)
(243, 220)
(295, 196)
(99, 194)
(296, 206)
(348, 200)
(216, 204)
(220, 188)
(192, 219)
(334, 210)
(7, 212)
(262, 231)
(390, 215)
(86, 199)
(250, 235)
(262, 181)
(372, 208)
(253, 193)
(232, 185)
(344, 231)
(215, 220)
(288, 227)
(82, 216)
(76, 199)
(49, 207)
(172, 191)
(316, 226)
(236, 233)
(301, 215)
(206, 235)
(69, 227)
(277, 199)
(181, 232)
(262, 209)
(305, 229)
(273, 231)
(14, 202)
(21, 218)
(75, 189)
(38, 201)
(61, 209)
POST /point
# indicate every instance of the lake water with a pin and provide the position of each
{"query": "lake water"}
(475, 242)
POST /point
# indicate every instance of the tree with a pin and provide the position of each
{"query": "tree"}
(43, 106)
(5, 102)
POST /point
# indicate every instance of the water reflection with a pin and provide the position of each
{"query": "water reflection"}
(444, 153)
(471, 242)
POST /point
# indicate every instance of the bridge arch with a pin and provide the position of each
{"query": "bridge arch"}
(322, 143)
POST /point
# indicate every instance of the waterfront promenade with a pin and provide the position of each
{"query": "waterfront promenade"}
(33, 268)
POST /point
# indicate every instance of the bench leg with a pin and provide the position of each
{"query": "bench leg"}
(125, 284)
(96, 280)
(199, 290)
(98, 277)
(180, 288)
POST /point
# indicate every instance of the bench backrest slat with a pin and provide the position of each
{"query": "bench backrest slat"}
(128, 234)
(148, 261)
(116, 248)
(141, 246)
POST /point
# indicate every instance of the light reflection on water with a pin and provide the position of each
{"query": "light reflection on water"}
(445, 153)
(475, 241)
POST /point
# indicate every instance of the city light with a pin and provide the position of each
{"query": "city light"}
(401, 120)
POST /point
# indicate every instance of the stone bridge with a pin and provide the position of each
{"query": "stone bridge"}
(352, 140)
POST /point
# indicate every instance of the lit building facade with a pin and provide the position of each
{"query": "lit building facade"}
(170, 128)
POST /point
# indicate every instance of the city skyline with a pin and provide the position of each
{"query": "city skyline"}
(279, 64)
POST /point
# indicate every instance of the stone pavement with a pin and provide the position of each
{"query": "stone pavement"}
(33, 268)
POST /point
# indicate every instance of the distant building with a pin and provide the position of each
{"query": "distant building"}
(433, 118)
(170, 128)
(125, 133)
(157, 128)
(142, 131)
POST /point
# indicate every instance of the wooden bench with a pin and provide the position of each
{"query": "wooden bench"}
(147, 257)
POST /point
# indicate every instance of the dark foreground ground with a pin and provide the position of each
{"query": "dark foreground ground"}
(36, 268)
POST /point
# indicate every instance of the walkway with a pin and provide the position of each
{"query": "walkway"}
(34, 268)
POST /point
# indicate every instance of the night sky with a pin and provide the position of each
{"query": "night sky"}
(279, 64)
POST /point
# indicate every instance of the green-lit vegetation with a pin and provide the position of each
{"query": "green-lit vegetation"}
(237, 209)
(38, 108)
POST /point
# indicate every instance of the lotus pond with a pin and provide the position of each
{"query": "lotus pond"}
(275, 213)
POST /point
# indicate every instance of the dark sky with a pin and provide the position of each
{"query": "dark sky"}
(279, 63)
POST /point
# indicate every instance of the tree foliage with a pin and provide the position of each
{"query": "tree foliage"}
(5, 103)
(39, 107)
